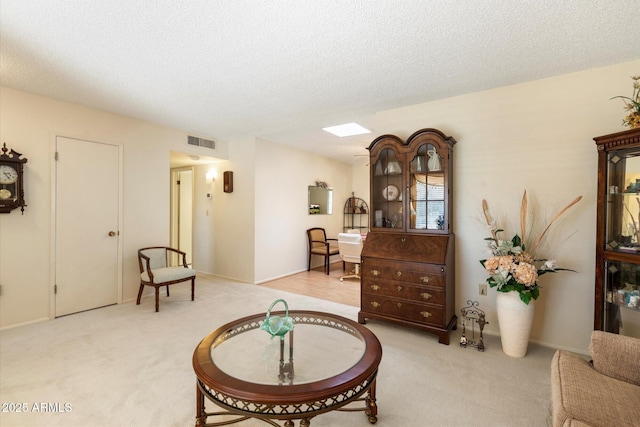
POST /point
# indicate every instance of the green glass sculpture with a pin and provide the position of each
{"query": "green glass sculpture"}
(277, 325)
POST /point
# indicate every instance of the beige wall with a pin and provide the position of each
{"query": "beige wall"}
(283, 175)
(29, 124)
(536, 136)
(270, 195)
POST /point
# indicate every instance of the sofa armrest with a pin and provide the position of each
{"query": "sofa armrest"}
(581, 396)
(616, 356)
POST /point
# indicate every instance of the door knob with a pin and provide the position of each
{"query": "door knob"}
(112, 233)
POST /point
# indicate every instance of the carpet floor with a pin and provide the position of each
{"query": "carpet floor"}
(125, 365)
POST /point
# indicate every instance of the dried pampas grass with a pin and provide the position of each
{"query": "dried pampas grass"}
(524, 207)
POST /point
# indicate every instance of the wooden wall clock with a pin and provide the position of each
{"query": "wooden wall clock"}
(11, 180)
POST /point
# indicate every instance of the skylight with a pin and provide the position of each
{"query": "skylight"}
(348, 129)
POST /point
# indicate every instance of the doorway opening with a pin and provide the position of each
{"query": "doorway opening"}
(182, 211)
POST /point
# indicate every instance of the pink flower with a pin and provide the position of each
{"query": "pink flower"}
(526, 274)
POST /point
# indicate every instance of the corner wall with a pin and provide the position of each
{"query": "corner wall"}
(29, 124)
(536, 136)
(283, 175)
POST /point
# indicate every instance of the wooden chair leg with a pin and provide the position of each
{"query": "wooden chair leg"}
(167, 290)
(309, 263)
(193, 285)
(140, 293)
(157, 297)
(326, 262)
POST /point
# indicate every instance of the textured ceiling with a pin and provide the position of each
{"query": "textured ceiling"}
(281, 70)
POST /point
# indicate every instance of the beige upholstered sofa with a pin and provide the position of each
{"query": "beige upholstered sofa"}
(602, 392)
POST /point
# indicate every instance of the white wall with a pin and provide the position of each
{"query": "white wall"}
(29, 125)
(234, 254)
(360, 177)
(270, 195)
(204, 219)
(283, 175)
(536, 136)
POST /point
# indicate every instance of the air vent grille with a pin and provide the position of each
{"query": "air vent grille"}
(201, 142)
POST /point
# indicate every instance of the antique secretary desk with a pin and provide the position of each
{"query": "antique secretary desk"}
(408, 266)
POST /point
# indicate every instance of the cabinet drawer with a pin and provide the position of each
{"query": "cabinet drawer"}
(431, 295)
(411, 311)
(423, 274)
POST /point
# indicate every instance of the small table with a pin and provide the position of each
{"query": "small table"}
(244, 371)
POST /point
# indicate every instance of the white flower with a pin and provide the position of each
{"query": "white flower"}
(549, 265)
(506, 247)
(501, 277)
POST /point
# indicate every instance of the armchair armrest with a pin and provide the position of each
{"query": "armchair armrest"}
(323, 243)
(616, 356)
(147, 267)
(184, 256)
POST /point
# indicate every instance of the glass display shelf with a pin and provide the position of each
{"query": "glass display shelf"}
(617, 297)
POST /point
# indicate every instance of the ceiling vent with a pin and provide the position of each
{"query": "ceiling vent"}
(201, 142)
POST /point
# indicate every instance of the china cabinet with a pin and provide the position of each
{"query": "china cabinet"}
(356, 215)
(617, 284)
(408, 257)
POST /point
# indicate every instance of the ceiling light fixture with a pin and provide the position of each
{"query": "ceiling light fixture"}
(348, 129)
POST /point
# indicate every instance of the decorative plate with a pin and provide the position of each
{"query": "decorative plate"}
(390, 192)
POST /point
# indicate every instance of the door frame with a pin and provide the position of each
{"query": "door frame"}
(52, 225)
(174, 238)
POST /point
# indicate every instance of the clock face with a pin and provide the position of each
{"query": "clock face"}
(8, 175)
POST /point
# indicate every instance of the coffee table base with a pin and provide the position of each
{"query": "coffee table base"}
(370, 409)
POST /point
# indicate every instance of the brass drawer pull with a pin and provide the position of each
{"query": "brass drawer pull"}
(375, 304)
(425, 279)
(375, 287)
(426, 314)
(399, 273)
(375, 273)
(399, 288)
(403, 240)
(426, 295)
(399, 305)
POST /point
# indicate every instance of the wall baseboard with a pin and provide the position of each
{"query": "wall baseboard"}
(17, 325)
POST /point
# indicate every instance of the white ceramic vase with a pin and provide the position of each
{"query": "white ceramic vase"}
(515, 319)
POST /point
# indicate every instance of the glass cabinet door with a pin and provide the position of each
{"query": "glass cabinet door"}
(617, 308)
(387, 191)
(427, 193)
(622, 304)
(621, 311)
(622, 232)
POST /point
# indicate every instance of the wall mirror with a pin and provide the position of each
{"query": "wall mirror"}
(320, 200)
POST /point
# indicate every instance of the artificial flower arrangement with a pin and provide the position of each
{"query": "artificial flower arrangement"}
(632, 105)
(512, 267)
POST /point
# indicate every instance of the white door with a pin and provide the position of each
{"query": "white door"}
(86, 235)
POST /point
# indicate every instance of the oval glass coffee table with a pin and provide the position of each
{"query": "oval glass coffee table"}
(324, 364)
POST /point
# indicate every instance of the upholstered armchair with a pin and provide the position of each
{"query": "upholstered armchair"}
(320, 245)
(156, 270)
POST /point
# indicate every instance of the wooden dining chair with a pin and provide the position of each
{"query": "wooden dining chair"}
(320, 245)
